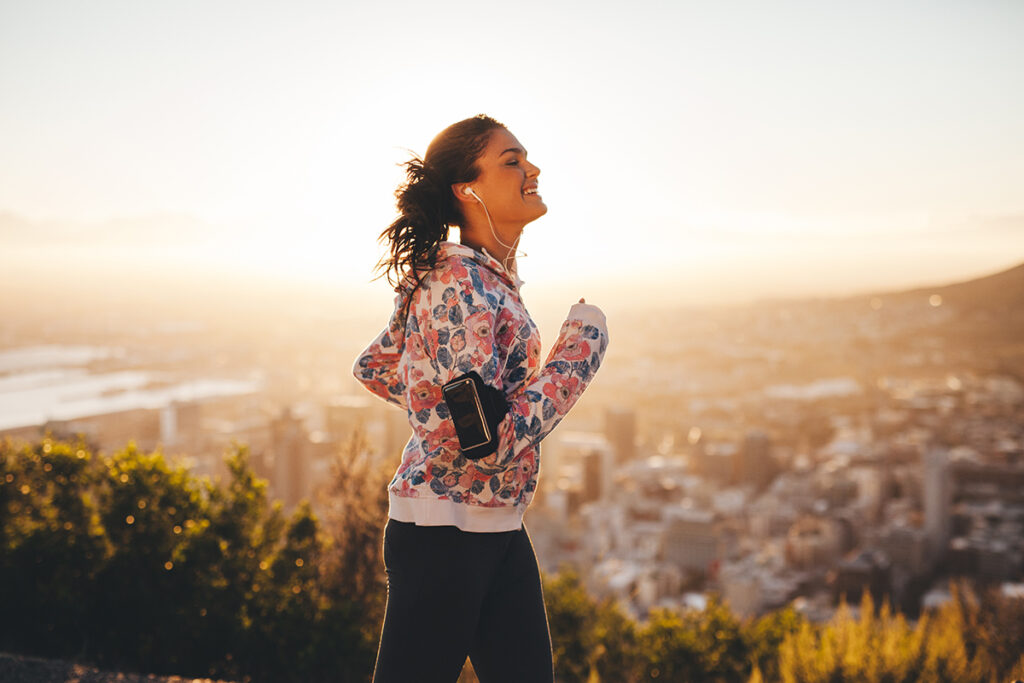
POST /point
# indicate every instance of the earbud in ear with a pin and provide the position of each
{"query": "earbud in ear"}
(469, 190)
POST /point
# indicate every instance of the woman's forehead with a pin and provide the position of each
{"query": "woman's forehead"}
(502, 141)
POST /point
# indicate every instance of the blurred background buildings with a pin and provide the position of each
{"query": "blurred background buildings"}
(791, 452)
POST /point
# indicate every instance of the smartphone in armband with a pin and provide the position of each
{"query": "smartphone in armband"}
(476, 410)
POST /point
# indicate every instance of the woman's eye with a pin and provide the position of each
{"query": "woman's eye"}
(514, 162)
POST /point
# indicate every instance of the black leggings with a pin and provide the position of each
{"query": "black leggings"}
(453, 593)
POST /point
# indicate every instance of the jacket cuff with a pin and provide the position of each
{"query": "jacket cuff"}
(588, 314)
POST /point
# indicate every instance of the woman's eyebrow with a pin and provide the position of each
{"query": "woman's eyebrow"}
(514, 149)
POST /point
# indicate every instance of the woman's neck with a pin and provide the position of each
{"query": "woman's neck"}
(485, 241)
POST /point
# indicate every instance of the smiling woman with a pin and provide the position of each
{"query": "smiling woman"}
(461, 355)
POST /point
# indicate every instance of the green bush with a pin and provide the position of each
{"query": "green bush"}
(594, 641)
(971, 639)
(132, 564)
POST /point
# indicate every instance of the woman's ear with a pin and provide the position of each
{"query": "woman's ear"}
(462, 192)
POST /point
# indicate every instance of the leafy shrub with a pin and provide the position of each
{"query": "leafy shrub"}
(133, 564)
(967, 640)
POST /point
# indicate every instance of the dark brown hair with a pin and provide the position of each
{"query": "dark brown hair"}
(426, 206)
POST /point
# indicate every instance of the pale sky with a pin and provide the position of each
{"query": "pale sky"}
(731, 149)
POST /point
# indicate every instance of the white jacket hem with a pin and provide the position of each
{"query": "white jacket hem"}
(436, 512)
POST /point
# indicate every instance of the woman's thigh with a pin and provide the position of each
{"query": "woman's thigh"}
(512, 641)
(432, 607)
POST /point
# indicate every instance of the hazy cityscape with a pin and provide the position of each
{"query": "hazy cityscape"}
(781, 453)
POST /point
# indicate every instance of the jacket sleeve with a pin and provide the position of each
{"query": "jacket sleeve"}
(377, 366)
(457, 322)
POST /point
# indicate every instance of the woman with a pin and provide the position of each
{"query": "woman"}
(462, 574)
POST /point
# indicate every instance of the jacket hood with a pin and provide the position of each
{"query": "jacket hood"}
(450, 250)
(447, 251)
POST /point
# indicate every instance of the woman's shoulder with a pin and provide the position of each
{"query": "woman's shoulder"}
(459, 280)
(453, 254)
(460, 266)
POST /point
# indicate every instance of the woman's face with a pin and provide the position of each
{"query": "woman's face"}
(507, 183)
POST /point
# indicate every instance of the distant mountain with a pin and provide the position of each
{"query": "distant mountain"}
(976, 324)
(1000, 294)
(991, 306)
(982, 319)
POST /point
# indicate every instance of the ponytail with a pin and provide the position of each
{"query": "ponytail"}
(414, 237)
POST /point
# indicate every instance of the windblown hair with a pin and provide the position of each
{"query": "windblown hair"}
(426, 206)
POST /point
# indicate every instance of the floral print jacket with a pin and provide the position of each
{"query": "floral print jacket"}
(467, 314)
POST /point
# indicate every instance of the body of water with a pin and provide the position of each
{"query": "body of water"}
(41, 383)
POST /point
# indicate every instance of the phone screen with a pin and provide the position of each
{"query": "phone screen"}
(467, 413)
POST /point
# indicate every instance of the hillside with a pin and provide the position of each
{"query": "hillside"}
(995, 302)
(984, 318)
(979, 322)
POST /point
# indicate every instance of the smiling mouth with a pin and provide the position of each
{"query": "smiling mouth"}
(531, 192)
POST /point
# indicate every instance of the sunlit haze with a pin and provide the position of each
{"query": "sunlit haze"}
(691, 152)
(791, 448)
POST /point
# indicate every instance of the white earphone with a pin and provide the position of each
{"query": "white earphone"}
(513, 248)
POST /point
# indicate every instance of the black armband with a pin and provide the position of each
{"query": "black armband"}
(476, 409)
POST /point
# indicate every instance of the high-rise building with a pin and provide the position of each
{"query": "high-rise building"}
(754, 464)
(620, 429)
(383, 427)
(813, 542)
(290, 448)
(938, 501)
(347, 414)
(715, 461)
(180, 425)
(593, 477)
(583, 461)
(690, 540)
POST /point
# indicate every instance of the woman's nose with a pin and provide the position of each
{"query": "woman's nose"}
(532, 171)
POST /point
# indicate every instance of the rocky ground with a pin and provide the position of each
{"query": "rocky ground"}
(18, 669)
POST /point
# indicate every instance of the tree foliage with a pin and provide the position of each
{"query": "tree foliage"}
(971, 639)
(596, 641)
(130, 563)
